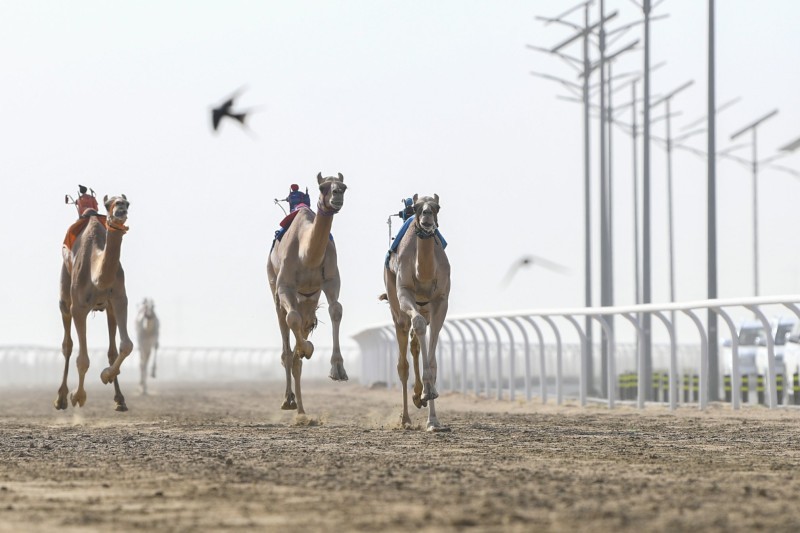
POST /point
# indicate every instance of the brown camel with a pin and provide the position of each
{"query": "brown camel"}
(417, 279)
(301, 264)
(147, 326)
(92, 279)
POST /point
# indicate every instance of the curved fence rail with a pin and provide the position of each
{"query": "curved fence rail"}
(505, 354)
(35, 365)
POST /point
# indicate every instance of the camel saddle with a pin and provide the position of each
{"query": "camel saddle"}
(79, 225)
(286, 222)
(399, 237)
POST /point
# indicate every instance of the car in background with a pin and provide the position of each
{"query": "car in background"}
(791, 356)
(752, 346)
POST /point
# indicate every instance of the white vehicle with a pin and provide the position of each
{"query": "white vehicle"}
(791, 356)
(752, 347)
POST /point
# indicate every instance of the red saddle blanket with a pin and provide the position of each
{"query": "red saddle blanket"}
(77, 227)
(287, 220)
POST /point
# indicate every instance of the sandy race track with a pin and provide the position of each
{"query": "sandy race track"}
(213, 458)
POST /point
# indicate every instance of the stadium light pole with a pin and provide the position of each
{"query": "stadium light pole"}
(667, 100)
(713, 336)
(647, 7)
(753, 127)
(583, 33)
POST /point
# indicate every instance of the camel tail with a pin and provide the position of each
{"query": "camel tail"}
(383, 297)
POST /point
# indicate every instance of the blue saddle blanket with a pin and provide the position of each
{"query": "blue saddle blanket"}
(400, 233)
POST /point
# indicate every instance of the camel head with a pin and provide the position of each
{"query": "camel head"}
(147, 309)
(331, 198)
(117, 208)
(426, 215)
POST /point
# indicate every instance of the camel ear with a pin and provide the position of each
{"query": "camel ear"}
(415, 198)
(341, 178)
(124, 197)
(319, 178)
(436, 198)
(105, 199)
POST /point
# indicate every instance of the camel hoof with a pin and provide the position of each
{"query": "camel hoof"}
(308, 350)
(60, 403)
(106, 376)
(430, 394)
(338, 373)
(437, 428)
(419, 402)
(121, 407)
(289, 404)
(78, 398)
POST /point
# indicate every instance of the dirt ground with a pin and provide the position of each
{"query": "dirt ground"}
(227, 458)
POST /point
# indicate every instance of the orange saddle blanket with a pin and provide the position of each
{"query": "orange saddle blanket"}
(77, 227)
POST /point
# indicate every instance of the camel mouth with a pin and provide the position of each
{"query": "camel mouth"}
(426, 228)
(336, 206)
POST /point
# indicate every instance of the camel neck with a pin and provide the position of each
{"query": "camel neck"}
(426, 258)
(106, 268)
(317, 243)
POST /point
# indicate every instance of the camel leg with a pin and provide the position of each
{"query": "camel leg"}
(287, 359)
(66, 344)
(153, 368)
(118, 310)
(402, 372)
(331, 290)
(294, 320)
(438, 313)
(79, 317)
(417, 398)
(144, 358)
(429, 392)
(297, 371)
(119, 399)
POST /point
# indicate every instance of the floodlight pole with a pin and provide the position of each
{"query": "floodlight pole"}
(585, 33)
(713, 337)
(635, 149)
(667, 100)
(647, 356)
(753, 128)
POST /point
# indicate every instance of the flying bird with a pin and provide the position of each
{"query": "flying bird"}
(528, 260)
(226, 110)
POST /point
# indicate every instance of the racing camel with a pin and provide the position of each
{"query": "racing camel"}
(92, 279)
(302, 263)
(147, 326)
(417, 279)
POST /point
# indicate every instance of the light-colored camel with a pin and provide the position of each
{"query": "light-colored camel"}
(147, 326)
(92, 279)
(417, 280)
(301, 265)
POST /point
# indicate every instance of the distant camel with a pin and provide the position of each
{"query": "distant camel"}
(92, 279)
(302, 263)
(147, 326)
(417, 280)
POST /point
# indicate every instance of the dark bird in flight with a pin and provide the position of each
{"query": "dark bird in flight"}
(533, 260)
(226, 110)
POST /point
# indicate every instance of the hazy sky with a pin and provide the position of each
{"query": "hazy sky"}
(402, 98)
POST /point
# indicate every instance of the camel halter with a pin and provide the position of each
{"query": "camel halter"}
(116, 226)
(423, 233)
(322, 210)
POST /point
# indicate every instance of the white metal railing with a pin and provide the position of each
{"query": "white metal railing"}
(502, 340)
